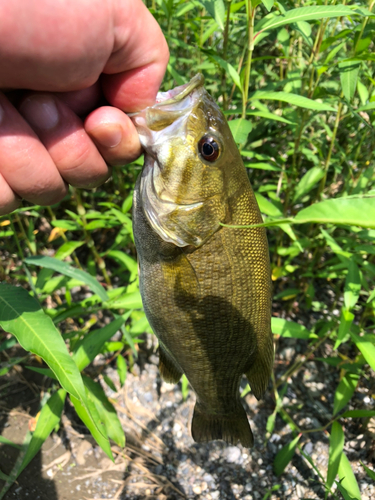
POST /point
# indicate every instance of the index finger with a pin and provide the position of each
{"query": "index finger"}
(136, 67)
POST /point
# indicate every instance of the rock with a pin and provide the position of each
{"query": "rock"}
(232, 454)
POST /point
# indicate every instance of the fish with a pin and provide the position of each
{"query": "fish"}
(205, 287)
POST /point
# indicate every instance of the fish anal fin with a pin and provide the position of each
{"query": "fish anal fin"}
(261, 368)
(232, 428)
(168, 370)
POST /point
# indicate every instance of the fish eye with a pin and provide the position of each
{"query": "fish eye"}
(209, 148)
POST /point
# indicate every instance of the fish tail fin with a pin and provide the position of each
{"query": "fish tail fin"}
(167, 368)
(261, 368)
(231, 428)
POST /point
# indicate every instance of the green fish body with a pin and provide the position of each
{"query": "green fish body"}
(205, 288)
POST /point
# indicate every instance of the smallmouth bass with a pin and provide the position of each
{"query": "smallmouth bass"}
(206, 288)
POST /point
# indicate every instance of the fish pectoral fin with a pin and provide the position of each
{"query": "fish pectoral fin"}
(167, 367)
(261, 368)
(232, 428)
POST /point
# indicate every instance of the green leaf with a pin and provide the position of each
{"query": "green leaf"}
(67, 249)
(347, 478)
(352, 211)
(21, 315)
(366, 347)
(336, 445)
(269, 116)
(121, 369)
(229, 69)
(240, 129)
(294, 99)
(43, 371)
(352, 285)
(69, 225)
(106, 411)
(266, 206)
(90, 346)
(67, 270)
(290, 329)
(4, 440)
(216, 9)
(348, 77)
(303, 14)
(92, 421)
(362, 92)
(131, 300)
(268, 4)
(48, 419)
(369, 472)
(284, 456)
(345, 391)
(346, 320)
(307, 182)
(358, 414)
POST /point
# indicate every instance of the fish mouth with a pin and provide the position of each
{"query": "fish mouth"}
(178, 94)
(169, 113)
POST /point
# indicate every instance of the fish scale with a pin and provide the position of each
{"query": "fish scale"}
(205, 287)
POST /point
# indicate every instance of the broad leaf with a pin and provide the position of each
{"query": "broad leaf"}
(240, 129)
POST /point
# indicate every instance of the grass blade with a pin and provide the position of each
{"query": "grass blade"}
(345, 391)
(294, 99)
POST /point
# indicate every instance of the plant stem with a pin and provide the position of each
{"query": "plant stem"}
(328, 159)
(250, 22)
(225, 49)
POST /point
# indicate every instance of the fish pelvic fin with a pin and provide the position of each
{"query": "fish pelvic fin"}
(167, 367)
(232, 428)
(261, 368)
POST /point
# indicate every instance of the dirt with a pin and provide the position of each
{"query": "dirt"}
(161, 460)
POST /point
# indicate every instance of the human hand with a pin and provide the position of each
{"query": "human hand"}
(68, 55)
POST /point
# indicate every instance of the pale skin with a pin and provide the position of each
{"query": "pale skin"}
(69, 55)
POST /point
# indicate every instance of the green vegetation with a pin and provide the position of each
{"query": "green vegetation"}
(297, 82)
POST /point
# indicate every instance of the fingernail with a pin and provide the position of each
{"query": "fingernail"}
(108, 135)
(2, 113)
(40, 111)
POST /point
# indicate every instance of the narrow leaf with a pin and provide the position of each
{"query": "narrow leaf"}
(352, 285)
(106, 411)
(48, 419)
(121, 369)
(358, 414)
(284, 456)
(348, 77)
(90, 346)
(369, 472)
(353, 211)
(307, 182)
(345, 391)
(93, 423)
(294, 99)
(347, 478)
(336, 445)
(4, 440)
(67, 270)
(290, 329)
(346, 320)
(366, 347)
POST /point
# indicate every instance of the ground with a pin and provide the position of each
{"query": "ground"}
(161, 461)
